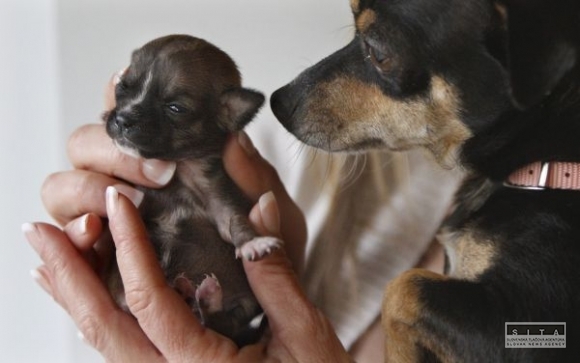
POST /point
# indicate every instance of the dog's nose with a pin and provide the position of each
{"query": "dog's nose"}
(123, 122)
(282, 104)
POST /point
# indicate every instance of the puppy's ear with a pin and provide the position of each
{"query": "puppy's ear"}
(238, 107)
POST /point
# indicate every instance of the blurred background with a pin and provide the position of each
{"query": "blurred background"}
(56, 57)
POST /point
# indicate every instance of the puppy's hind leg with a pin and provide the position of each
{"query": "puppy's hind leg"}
(428, 317)
(248, 243)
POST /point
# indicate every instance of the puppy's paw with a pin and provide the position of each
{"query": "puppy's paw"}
(258, 247)
(209, 295)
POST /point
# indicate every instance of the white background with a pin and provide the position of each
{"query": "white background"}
(55, 59)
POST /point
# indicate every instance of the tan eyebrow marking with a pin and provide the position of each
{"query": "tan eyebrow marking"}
(365, 20)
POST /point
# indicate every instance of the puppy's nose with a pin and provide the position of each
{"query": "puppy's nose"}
(123, 122)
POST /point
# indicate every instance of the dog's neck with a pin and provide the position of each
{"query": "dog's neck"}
(546, 175)
(197, 174)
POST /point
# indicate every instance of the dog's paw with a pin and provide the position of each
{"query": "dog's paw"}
(209, 295)
(258, 247)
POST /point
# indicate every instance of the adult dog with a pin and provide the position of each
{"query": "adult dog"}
(452, 76)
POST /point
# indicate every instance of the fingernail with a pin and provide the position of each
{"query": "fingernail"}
(112, 198)
(41, 280)
(159, 171)
(81, 337)
(80, 225)
(30, 232)
(134, 195)
(118, 75)
(246, 143)
(270, 213)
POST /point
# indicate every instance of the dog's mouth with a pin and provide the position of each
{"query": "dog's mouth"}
(127, 148)
(325, 141)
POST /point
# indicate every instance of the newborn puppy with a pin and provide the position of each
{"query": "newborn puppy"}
(178, 100)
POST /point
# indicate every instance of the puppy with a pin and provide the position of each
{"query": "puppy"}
(178, 100)
(436, 74)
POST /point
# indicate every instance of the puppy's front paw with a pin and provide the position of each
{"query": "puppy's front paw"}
(258, 247)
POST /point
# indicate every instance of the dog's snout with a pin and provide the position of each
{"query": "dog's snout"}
(123, 122)
(283, 104)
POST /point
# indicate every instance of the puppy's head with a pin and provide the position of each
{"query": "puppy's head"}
(426, 73)
(178, 99)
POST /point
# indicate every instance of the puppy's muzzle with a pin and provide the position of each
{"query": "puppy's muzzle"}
(123, 122)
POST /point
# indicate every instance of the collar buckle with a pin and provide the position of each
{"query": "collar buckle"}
(541, 183)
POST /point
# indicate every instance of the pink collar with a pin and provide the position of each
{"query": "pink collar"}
(542, 175)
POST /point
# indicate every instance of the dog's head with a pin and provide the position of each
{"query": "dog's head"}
(178, 99)
(425, 73)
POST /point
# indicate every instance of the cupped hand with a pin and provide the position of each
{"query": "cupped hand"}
(97, 164)
(165, 330)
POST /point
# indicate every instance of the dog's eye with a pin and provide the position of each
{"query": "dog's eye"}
(175, 108)
(377, 56)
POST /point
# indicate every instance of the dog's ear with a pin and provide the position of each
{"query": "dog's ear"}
(238, 107)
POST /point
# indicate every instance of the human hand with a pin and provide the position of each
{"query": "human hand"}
(98, 164)
(165, 329)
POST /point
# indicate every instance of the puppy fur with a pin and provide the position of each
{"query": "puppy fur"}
(179, 100)
(453, 76)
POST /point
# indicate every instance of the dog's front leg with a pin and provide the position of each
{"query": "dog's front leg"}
(234, 226)
(428, 317)
(402, 315)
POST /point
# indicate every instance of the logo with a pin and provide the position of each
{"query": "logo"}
(535, 335)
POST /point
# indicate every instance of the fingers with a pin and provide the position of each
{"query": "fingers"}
(255, 176)
(160, 311)
(295, 322)
(75, 286)
(70, 194)
(265, 215)
(110, 90)
(275, 270)
(291, 316)
(92, 149)
(84, 231)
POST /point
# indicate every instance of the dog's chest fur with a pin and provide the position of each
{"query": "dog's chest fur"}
(186, 207)
(468, 253)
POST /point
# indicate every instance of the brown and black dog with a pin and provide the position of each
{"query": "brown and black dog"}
(179, 100)
(454, 77)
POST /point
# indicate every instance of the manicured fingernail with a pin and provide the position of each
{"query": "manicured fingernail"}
(134, 195)
(41, 280)
(158, 171)
(30, 232)
(80, 224)
(246, 143)
(112, 198)
(81, 337)
(270, 213)
(118, 75)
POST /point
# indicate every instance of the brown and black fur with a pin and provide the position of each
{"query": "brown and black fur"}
(179, 100)
(453, 76)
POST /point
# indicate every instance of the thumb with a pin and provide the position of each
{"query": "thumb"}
(273, 279)
(295, 322)
(276, 287)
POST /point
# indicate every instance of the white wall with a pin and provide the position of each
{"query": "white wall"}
(32, 328)
(55, 59)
